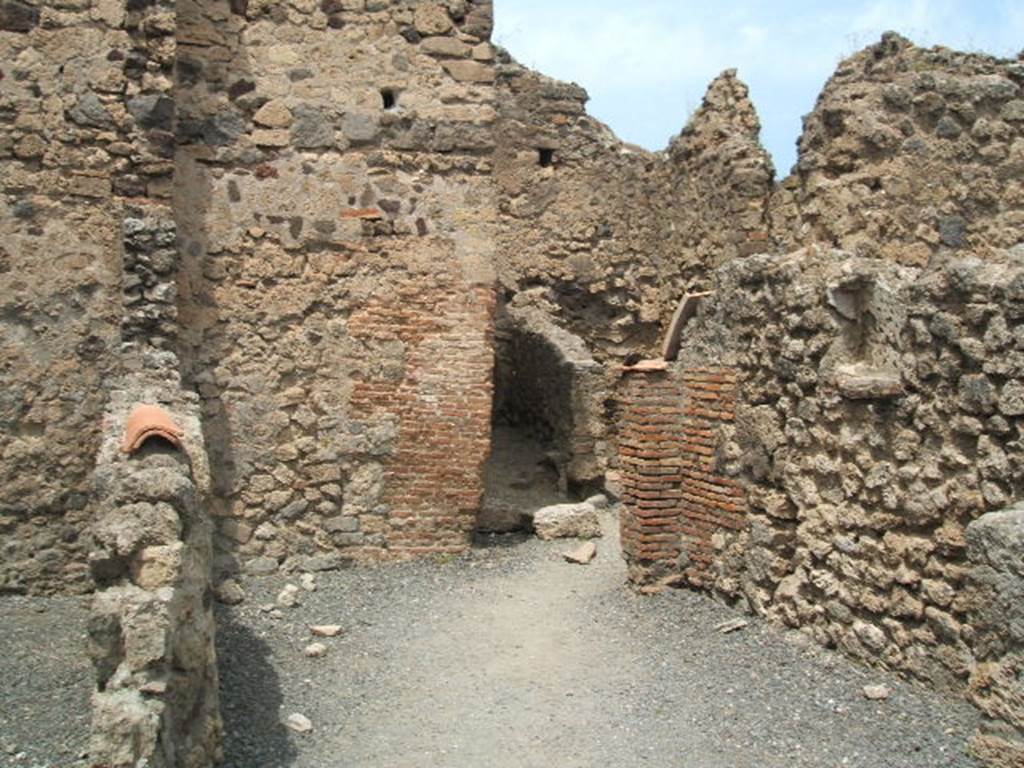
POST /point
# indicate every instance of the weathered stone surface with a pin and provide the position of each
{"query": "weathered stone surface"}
(876, 692)
(271, 137)
(230, 592)
(289, 596)
(316, 650)
(16, 16)
(261, 566)
(867, 383)
(152, 111)
(445, 46)
(470, 71)
(273, 114)
(312, 128)
(583, 554)
(561, 521)
(431, 19)
(326, 630)
(502, 518)
(90, 110)
(360, 126)
(151, 633)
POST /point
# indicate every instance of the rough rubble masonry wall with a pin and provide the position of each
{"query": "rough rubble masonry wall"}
(61, 132)
(615, 233)
(151, 630)
(994, 545)
(87, 149)
(910, 155)
(877, 416)
(336, 216)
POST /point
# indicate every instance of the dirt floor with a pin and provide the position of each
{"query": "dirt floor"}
(510, 656)
(507, 657)
(519, 479)
(46, 680)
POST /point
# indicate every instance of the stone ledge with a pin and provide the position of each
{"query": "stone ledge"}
(859, 382)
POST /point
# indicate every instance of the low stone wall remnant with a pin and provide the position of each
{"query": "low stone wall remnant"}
(151, 630)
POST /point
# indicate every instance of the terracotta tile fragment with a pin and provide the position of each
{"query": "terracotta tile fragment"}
(655, 364)
(363, 213)
(149, 421)
(684, 313)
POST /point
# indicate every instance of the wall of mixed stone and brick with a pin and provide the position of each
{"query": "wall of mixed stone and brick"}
(324, 148)
(832, 428)
(336, 213)
(877, 417)
(608, 237)
(615, 233)
(85, 166)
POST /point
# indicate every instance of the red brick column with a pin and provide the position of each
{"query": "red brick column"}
(649, 453)
(674, 499)
(710, 502)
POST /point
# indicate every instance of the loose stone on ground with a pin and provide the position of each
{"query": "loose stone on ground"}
(583, 554)
(564, 521)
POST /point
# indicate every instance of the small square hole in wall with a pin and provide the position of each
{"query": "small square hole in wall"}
(545, 157)
(389, 97)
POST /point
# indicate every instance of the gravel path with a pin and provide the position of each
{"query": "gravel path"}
(46, 680)
(511, 657)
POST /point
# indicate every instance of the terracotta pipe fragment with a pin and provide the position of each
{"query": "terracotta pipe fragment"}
(647, 366)
(149, 421)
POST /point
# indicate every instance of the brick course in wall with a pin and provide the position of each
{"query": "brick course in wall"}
(433, 481)
(709, 501)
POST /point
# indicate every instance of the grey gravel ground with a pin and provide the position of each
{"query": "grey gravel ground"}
(511, 657)
(45, 682)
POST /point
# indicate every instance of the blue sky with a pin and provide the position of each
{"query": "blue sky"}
(647, 63)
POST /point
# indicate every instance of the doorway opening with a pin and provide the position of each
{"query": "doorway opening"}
(548, 424)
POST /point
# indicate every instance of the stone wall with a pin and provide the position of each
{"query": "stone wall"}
(720, 180)
(151, 630)
(911, 155)
(877, 414)
(336, 219)
(615, 233)
(312, 160)
(85, 148)
(576, 213)
(877, 417)
(995, 543)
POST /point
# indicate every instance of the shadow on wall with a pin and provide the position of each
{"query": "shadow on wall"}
(213, 76)
(250, 699)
